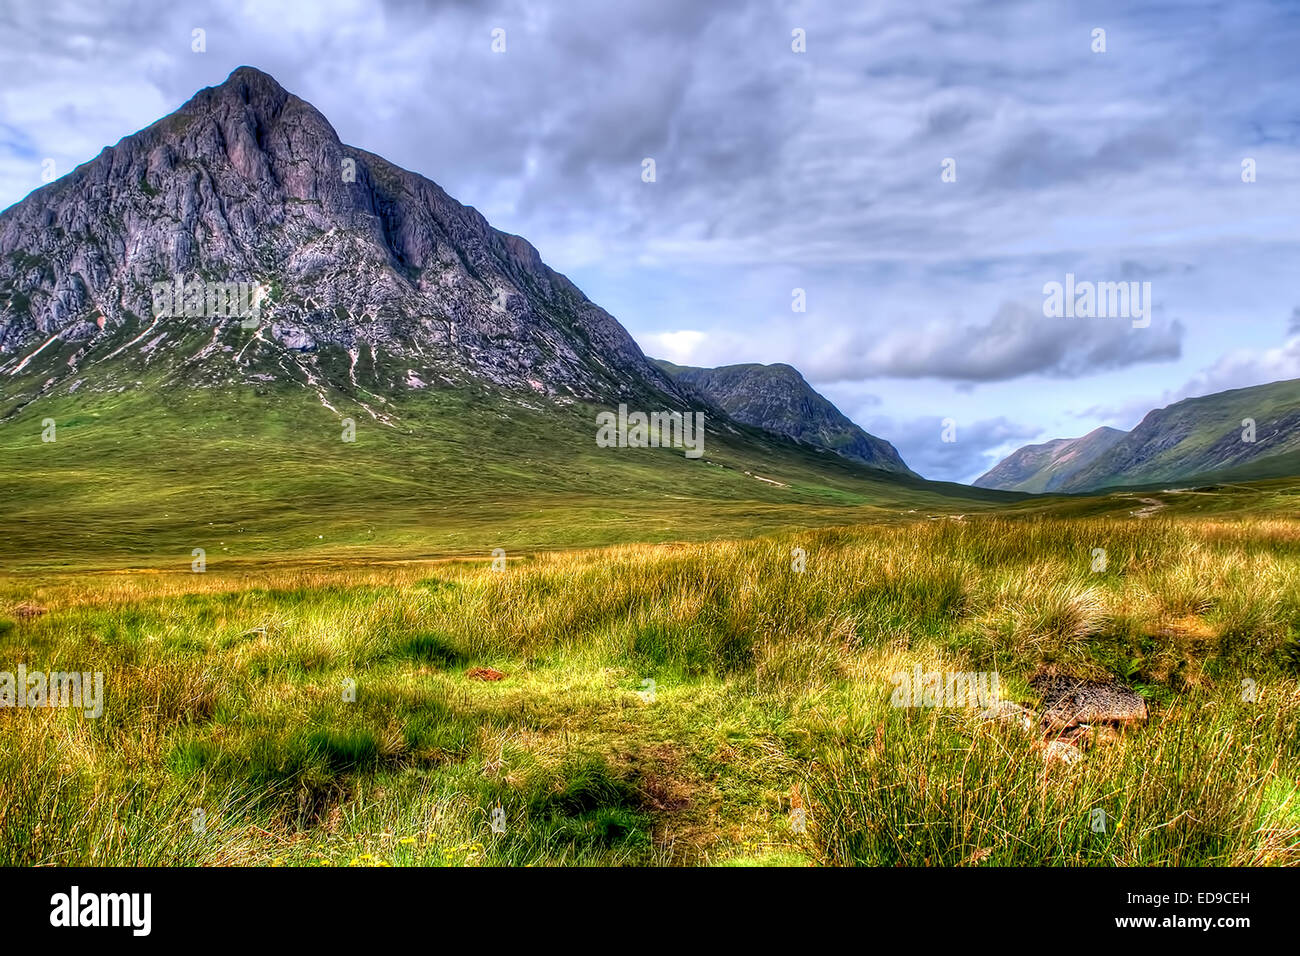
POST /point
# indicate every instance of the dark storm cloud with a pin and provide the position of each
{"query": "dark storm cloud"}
(1040, 157)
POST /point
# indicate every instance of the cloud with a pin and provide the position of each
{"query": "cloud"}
(1239, 368)
(978, 447)
(1015, 342)
(680, 348)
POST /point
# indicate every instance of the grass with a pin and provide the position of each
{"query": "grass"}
(226, 703)
(149, 466)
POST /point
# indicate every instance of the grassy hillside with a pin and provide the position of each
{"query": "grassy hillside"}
(1240, 435)
(771, 692)
(147, 474)
(1049, 466)
(1200, 437)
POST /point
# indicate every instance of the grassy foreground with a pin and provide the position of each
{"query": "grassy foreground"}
(226, 737)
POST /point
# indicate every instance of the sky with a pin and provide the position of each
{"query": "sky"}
(919, 170)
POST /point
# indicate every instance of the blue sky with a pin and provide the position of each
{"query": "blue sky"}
(818, 170)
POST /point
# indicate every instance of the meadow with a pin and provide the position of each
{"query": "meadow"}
(711, 703)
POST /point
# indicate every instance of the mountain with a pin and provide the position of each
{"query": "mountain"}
(247, 182)
(1238, 435)
(776, 398)
(1049, 466)
(399, 378)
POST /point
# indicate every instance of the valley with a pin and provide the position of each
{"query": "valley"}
(391, 572)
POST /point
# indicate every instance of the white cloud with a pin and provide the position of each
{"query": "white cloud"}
(681, 348)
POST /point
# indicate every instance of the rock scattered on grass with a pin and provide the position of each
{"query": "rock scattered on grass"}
(1077, 714)
(1071, 702)
(1061, 751)
(1006, 711)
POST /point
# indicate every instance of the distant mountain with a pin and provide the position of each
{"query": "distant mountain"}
(777, 398)
(411, 379)
(1049, 466)
(1238, 435)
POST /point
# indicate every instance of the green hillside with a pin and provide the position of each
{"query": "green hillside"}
(168, 464)
(1240, 435)
(1200, 437)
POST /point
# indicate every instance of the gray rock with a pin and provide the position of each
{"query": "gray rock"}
(1070, 702)
(1009, 712)
(246, 182)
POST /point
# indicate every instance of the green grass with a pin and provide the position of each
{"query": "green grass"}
(225, 694)
(142, 476)
(330, 562)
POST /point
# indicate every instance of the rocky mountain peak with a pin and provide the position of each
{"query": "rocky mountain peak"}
(778, 399)
(248, 183)
(363, 279)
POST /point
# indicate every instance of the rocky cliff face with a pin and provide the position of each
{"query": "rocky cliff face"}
(778, 399)
(247, 182)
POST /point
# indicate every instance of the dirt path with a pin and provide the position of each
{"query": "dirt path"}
(1152, 506)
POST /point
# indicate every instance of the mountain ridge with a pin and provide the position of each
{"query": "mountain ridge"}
(777, 398)
(1048, 466)
(413, 380)
(1238, 434)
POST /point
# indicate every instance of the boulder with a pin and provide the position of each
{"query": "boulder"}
(1070, 702)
